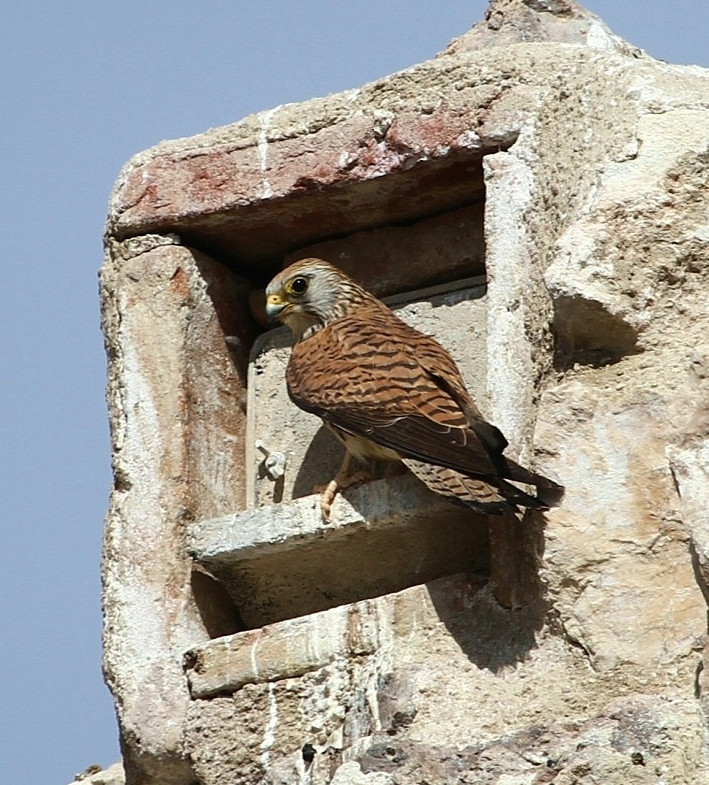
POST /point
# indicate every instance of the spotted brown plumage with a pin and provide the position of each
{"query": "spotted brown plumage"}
(389, 392)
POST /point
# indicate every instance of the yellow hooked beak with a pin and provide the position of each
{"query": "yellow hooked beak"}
(274, 307)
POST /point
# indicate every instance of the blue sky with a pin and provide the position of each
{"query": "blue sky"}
(83, 86)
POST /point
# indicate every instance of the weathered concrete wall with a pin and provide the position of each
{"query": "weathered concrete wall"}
(573, 172)
(177, 432)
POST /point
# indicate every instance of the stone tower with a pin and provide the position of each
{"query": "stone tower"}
(537, 196)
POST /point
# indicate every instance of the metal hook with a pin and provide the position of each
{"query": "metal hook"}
(274, 462)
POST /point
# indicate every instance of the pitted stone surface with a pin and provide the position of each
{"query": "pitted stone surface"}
(577, 169)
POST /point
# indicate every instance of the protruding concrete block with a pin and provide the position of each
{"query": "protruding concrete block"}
(177, 431)
(283, 561)
(282, 651)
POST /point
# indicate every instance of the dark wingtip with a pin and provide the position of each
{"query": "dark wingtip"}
(550, 493)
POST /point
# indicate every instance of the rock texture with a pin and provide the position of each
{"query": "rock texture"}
(174, 460)
(95, 775)
(247, 642)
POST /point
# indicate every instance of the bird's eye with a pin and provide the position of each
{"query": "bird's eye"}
(298, 285)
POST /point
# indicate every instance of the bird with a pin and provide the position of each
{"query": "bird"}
(391, 393)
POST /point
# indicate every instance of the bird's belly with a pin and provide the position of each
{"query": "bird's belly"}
(364, 449)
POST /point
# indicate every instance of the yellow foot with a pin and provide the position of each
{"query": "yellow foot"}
(327, 498)
(339, 483)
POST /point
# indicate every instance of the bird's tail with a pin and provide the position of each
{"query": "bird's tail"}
(488, 495)
(549, 492)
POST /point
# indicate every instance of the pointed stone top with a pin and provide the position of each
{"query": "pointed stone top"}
(527, 21)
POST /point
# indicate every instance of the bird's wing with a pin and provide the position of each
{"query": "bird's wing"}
(372, 375)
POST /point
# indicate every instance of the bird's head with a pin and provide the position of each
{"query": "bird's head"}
(310, 294)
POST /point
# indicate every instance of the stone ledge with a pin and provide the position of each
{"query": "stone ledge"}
(370, 144)
(297, 646)
(396, 501)
(284, 561)
(396, 151)
(281, 651)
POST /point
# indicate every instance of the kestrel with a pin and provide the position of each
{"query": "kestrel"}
(389, 392)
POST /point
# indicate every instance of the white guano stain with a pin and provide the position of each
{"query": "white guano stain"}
(254, 660)
(262, 151)
(269, 736)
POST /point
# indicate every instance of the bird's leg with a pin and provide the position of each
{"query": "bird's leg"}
(335, 484)
(344, 478)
